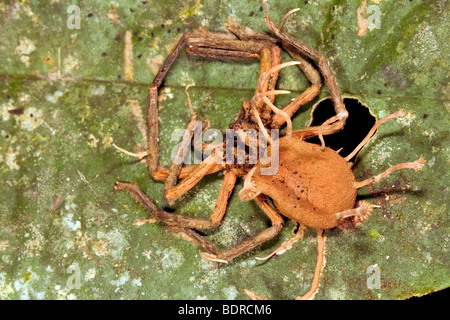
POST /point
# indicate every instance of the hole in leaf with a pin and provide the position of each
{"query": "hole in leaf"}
(357, 126)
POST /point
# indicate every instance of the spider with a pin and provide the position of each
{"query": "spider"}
(313, 186)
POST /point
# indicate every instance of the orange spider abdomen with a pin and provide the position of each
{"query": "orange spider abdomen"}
(311, 185)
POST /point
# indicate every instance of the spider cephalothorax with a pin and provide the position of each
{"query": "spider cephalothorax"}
(311, 184)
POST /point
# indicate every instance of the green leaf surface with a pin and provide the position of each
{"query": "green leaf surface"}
(71, 99)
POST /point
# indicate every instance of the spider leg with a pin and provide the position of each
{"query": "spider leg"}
(183, 224)
(176, 191)
(320, 264)
(287, 244)
(245, 33)
(359, 214)
(416, 166)
(290, 43)
(306, 96)
(248, 244)
(210, 45)
(206, 45)
(162, 173)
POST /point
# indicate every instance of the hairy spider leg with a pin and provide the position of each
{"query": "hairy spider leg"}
(336, 122)
(320, 264)
(212, 46)
(253, 242)
(245, 33)
(180, 222)
(287, 245)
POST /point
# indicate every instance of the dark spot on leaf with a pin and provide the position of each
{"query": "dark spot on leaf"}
(117, 38)
(251, 14)
(379, 91)
(163, 26)
(16, 112)
(261, 9)
(90, 15)
(131, 10)
(397, 184)
(119, 76)
(104, 54)
(139, 56)
(425, 116)
(295, 172)
(306, 1)
(140, 39)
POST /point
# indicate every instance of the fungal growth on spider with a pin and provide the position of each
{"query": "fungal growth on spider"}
(312, 184)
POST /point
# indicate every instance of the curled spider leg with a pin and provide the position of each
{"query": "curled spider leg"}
(209, 45)
(250, 243)
(183, 225)
(245, 33)
(361, 213)
(192, 179)
(416, 166)
(287, 245)
(179, 220)
(306, 96)
(338, 121)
